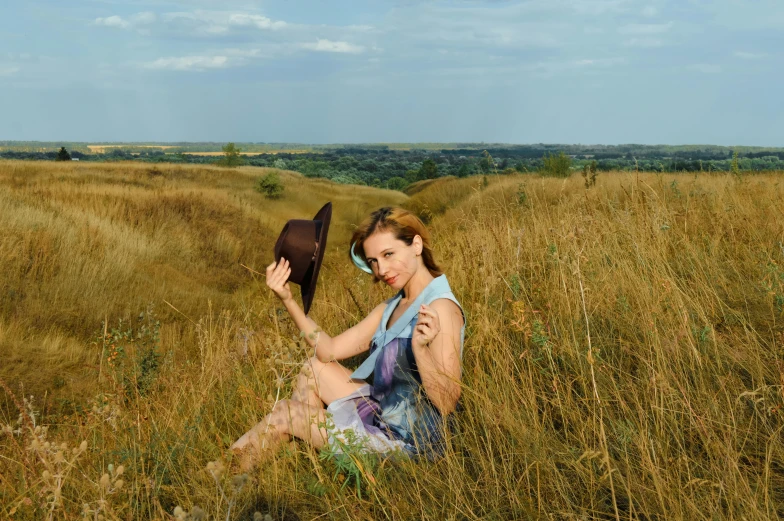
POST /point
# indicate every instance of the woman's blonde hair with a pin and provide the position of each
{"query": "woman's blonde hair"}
(404, 226)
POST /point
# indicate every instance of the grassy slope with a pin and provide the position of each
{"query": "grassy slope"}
(624, 355)
(84, 242)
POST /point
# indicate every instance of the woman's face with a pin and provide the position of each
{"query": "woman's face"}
(391, 259)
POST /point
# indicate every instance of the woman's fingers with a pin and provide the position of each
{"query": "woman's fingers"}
(278, 274)
(282, 265)
(428, 311)
(270, 269)
(429, 317)
(279, 270)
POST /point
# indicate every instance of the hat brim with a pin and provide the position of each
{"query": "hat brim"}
(308, 286)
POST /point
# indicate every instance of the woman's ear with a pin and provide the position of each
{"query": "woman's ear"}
(418, 245)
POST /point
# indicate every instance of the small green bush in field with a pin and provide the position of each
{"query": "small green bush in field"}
(270, 185)
(556, 165)
(132, 353)
(589, 174)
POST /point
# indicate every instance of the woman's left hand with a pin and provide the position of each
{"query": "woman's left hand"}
(427, 327)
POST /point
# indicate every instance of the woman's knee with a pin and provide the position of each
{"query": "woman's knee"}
(311, 367)
(305, 381)
(283, 414)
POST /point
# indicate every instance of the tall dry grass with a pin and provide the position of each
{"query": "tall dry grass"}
(623, 356)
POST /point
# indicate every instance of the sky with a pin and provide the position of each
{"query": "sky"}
(316, 71)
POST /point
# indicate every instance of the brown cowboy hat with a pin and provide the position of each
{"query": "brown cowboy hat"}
(302, 242)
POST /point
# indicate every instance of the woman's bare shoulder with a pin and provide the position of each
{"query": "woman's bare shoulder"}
(448, 309)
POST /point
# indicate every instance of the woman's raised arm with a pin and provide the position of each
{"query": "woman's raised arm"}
(350, 342)
(347, 344)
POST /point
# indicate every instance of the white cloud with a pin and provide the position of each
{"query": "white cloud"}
(255, 20)
(643, 29)
(323, 45)
(189, 63)
(199, 63)
(198, 21)
(144, 18)
(9, 70)
(749, 55)
(113, 21)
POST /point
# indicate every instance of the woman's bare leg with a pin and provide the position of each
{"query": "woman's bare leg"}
(322, 383)
(290, 418)
(318, 384)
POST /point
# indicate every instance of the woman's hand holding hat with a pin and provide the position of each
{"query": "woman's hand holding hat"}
(278, 279)
(427, 327)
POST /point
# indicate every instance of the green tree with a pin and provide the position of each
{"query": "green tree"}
(63, 155)
(429, 169)
(231, 155)
(735, 164)
(396, 183)
(487, 163)
(270, 185)
(556, 165)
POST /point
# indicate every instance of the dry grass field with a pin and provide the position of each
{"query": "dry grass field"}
(624, 355)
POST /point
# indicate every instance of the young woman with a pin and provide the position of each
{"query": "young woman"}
(415, 341)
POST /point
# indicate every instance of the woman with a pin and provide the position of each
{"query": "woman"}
(416, 343)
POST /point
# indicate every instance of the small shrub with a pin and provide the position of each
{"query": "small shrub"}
(270, 185)
(522, 195)
(556, 165)
(735, 164)
(589, 174)
(132, 354)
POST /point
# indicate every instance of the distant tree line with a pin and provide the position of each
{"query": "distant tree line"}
(383, 166)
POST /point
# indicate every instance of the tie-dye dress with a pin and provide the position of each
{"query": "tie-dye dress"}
(394, 412)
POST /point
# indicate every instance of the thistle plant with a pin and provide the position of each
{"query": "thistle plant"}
(52, 462)
(196, 514)
(110, 484)
(231, 490)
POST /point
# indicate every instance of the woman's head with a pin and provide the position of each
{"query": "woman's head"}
(395, 244)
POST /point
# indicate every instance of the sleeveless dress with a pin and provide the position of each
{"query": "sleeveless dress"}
(394, 413)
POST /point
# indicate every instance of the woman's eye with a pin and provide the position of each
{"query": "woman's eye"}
(387, 254)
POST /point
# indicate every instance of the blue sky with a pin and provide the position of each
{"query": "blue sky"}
(315, 71)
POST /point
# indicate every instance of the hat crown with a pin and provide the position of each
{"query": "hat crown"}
(298, 244)
(303, 242)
